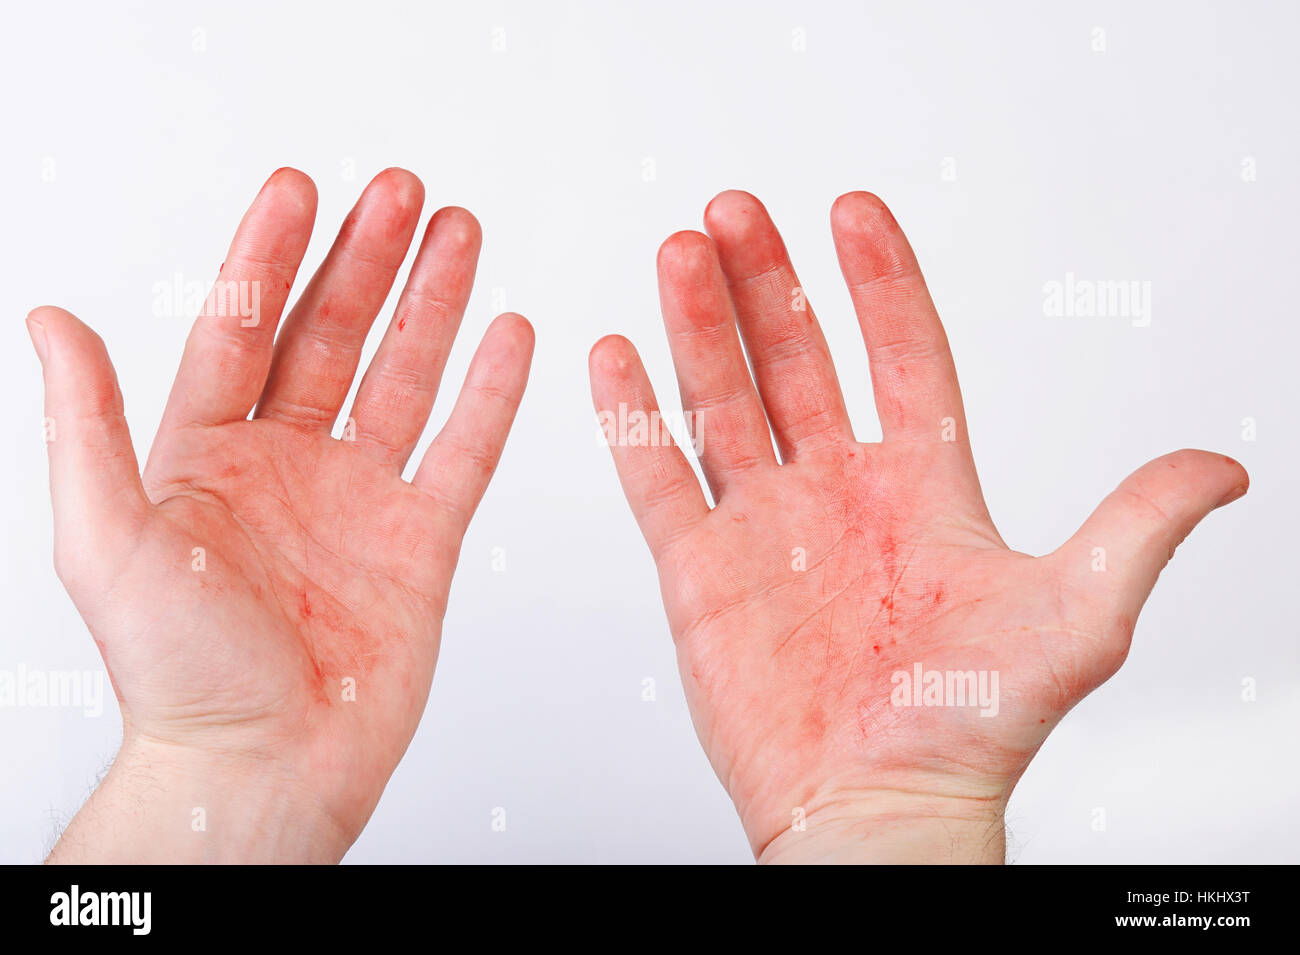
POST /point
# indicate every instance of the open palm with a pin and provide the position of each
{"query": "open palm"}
(268, 592)
(869, 667)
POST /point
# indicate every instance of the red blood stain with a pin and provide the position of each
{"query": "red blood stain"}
(887, 602)
(875, 647)
(322, 696)
(401, 323)
(325, 309)
(938, 597)
(1042, 721)
(304, 607)
(287, 283)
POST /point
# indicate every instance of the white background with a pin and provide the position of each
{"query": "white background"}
(1125, 164)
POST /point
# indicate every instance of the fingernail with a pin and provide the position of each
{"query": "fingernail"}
(37, 331)
(1236, 492)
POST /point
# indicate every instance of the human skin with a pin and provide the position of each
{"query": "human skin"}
(788, 661)
(268, 599)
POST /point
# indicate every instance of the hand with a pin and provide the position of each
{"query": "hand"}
(268, 600)
(803, 603)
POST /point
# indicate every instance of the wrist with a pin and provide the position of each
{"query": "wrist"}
(161, 803)
(892, 827)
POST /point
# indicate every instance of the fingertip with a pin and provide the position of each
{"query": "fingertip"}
(1203, 480)
(293, 184)
(291, 175)
(390, 204)
(1220, 471)
(1220, 465)
(861, 211)
(36, 331)
(42, 315)
(1236, 493)
(393, 199)
(458, 226)
(1240, 474)
(516, 329)
(868, 239)
(75, 360)
(685, 251)
(1245, 483)
(611, 357)
(46, 322)
(733, 210)
(746, 238)
(400, 186)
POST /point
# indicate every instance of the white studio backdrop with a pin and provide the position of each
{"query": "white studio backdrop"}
(1017, 143)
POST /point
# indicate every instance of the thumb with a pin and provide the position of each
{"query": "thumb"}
(1115, 557)
(94, 477)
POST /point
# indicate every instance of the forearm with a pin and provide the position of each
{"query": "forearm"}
(162, 804)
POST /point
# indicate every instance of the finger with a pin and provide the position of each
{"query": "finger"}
(912, 372)
(727, 417)
(665, 497)
(460, 461)
(1116, 556)
(228, 351)
(319, 348)
(99, 501)
(399, 388)
(792, 363)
